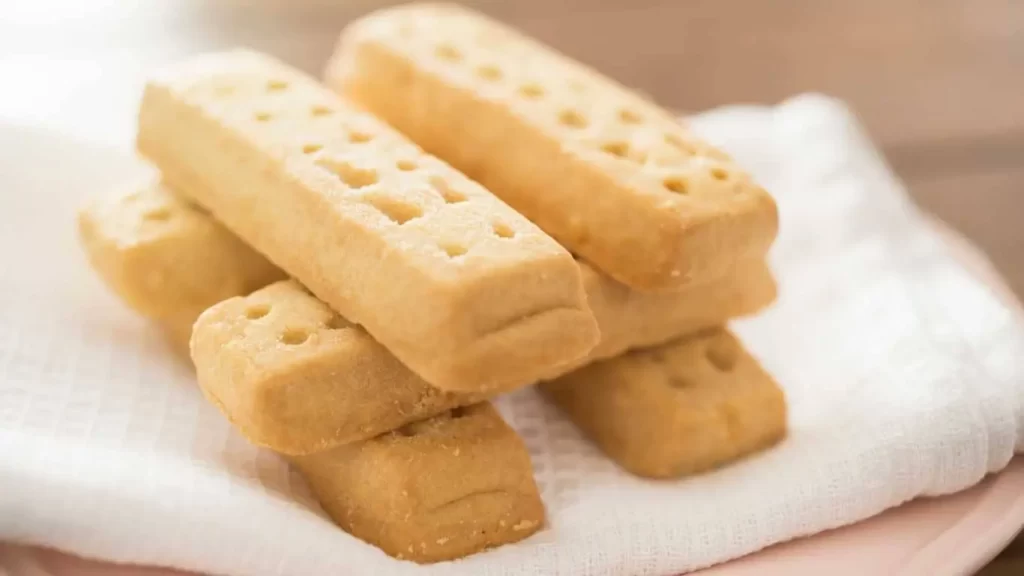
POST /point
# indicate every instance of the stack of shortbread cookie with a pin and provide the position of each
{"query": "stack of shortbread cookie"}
(356, 270)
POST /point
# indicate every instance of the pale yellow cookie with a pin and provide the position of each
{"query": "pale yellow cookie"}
(461, 288)
(433, 490)
(608, 174)
(294, 376)
(676, 409)
(165, 257)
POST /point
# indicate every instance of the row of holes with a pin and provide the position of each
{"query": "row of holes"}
(574, 119)
(533, 91)
(569, 118)
(356, 178)
(396, 210)
(316, 111)
(672, 184)
(355, 136)
(400, 212)
(295, 336)
(403, 165)
(623, 150)
(681, 186)
(280, 86)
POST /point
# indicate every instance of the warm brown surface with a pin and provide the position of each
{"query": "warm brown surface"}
(937, 82)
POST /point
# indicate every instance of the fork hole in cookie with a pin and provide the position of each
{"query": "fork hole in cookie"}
(276, 85)
(531, 91)
(572, 119)
(627, 116)
(720, 174)
(357, 137)
(398, 211)
(263, 116)
(162, 214)
(618, 149)
(294, 336)
(351, 175)
(257, 311)
(459, 412)
(489, 72)
(676, 185)
(320, 110)
(454, 250)
(502, 230)
(312, 148)
(449, 195)
(448, 52)
(405, 165)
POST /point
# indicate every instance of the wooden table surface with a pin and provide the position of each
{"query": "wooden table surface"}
(938, 83)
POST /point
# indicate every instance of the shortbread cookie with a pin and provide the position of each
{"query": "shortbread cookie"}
(461, 288)
(677, 409)
(434, 490)
(269, 360)
(167, 259)
(610, 175)
(294, 376)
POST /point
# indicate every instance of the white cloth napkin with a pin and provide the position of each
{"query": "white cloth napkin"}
(905, 377)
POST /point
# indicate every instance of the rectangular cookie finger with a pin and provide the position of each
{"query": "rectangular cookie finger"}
(675, 409)
(165, 257)
(465, 291)
(294, 376)
(434, 490)
(608, 174)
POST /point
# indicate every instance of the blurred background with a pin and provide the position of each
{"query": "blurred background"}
(938, 83)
